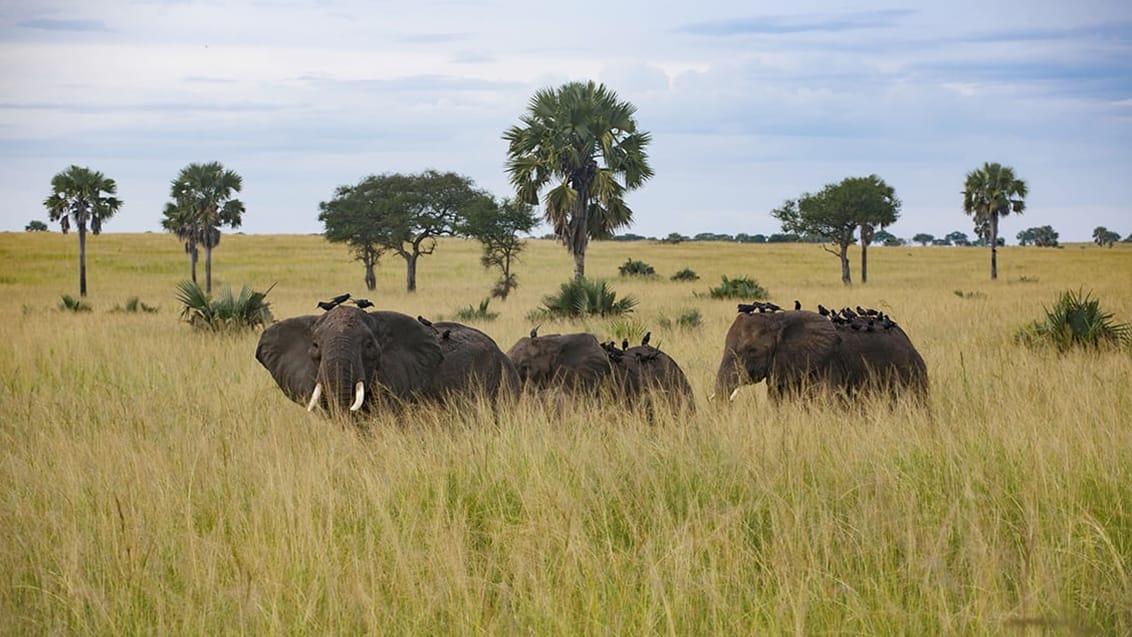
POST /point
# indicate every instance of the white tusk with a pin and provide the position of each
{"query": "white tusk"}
(359, 395)
(315, 396)
(733, 394)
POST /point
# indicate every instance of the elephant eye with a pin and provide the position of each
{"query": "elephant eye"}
(314, 353)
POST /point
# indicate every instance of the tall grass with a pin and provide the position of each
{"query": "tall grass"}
(158, 482)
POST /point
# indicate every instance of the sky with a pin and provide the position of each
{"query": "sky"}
(748, 103)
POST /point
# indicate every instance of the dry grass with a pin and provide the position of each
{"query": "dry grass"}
(155, 479)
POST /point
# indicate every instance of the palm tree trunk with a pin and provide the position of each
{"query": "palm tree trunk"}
(82, 260)
(207, 269)
(580, 264)
(194, 256)
(994, 246)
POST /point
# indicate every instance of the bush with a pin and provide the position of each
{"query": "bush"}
(583, 297)
(969, 295)
(133, 305)
(739, 288)
(626, 329)
(633, 267)
(1075, 320)
(688, 319)
(69, 303)
(480, 313)
(687, 274)
(225, 312)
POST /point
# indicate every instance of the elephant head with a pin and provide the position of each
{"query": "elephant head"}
(572, 361)
(350, 358)
(783, 347)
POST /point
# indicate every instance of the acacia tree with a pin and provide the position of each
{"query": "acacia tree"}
(991, 192)
(497, 227)
(1102, 236)
(83, 196)
(203, 200)
(582, 138)
(402, 213)
(923, 238)
(347, 219)
(835, 213)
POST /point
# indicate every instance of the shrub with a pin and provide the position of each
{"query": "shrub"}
(626, 329)
(69, 303)
(583, 297)
(1075, 320)
(133, 305)
(739, 288)
(633, 267)
(687, 274)
(969, 295)
(226, 311)
(480, 313)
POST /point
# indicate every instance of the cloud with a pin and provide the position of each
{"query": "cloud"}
(778, 25)
(48, 24)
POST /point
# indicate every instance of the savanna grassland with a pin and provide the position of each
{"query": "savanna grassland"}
(155, 480)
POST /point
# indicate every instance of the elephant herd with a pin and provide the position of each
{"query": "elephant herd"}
(350, 360)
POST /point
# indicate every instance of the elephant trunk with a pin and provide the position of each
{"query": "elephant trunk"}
(343, 379)
(729, 378)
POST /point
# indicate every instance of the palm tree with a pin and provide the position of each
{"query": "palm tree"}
(77, 195)
(581, 137)
(202, 202)
(992, 192)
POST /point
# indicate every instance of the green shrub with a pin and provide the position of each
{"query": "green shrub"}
(739, 288)
(133, 305)
(634, 267)
(626, 329)
(1075, 320)
(969, 295)
(687, 274)
(69, 303)
(583, 297)
(226, 311)
(480, 313)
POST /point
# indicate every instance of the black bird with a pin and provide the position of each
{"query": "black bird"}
(837, 320)
(341, 298)
(848, 313)
(772, 307)
(862, 311)
(424, 321)
(534, 330)
(797, 305)
(746, 308)
(872, 312)
(446, 334)
(645, 340)
(822, 310)
(624, 343)
(363, 303)
(327, 305)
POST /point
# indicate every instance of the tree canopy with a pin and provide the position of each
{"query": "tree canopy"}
(84, 197)
(401, 213)
(497, 227)
(1102, 236)
(836, 212)
(584, 140)
(1043, 237)
(203, 200)
(990, 192)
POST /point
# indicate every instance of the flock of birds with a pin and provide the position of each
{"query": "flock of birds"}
(326, 306)
(615, 353)
(858, 318)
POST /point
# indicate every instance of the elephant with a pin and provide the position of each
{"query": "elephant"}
(350, 358)
(578, 364)
(801, 352)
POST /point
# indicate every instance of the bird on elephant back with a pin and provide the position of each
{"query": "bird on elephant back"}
(567, 367)
(803, 353)
(351, 360)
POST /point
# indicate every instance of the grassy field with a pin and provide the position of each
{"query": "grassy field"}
(155, 480)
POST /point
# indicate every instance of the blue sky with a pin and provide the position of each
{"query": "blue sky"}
(748, 103)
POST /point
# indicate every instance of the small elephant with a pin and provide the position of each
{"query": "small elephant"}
(644, 372)
(578, 364)
(802, 351)
(573, 362)
(349, 358)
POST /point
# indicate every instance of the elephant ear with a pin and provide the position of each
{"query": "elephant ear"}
(284, 349)
(410, 353)
(805, 343)
(582, 359)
